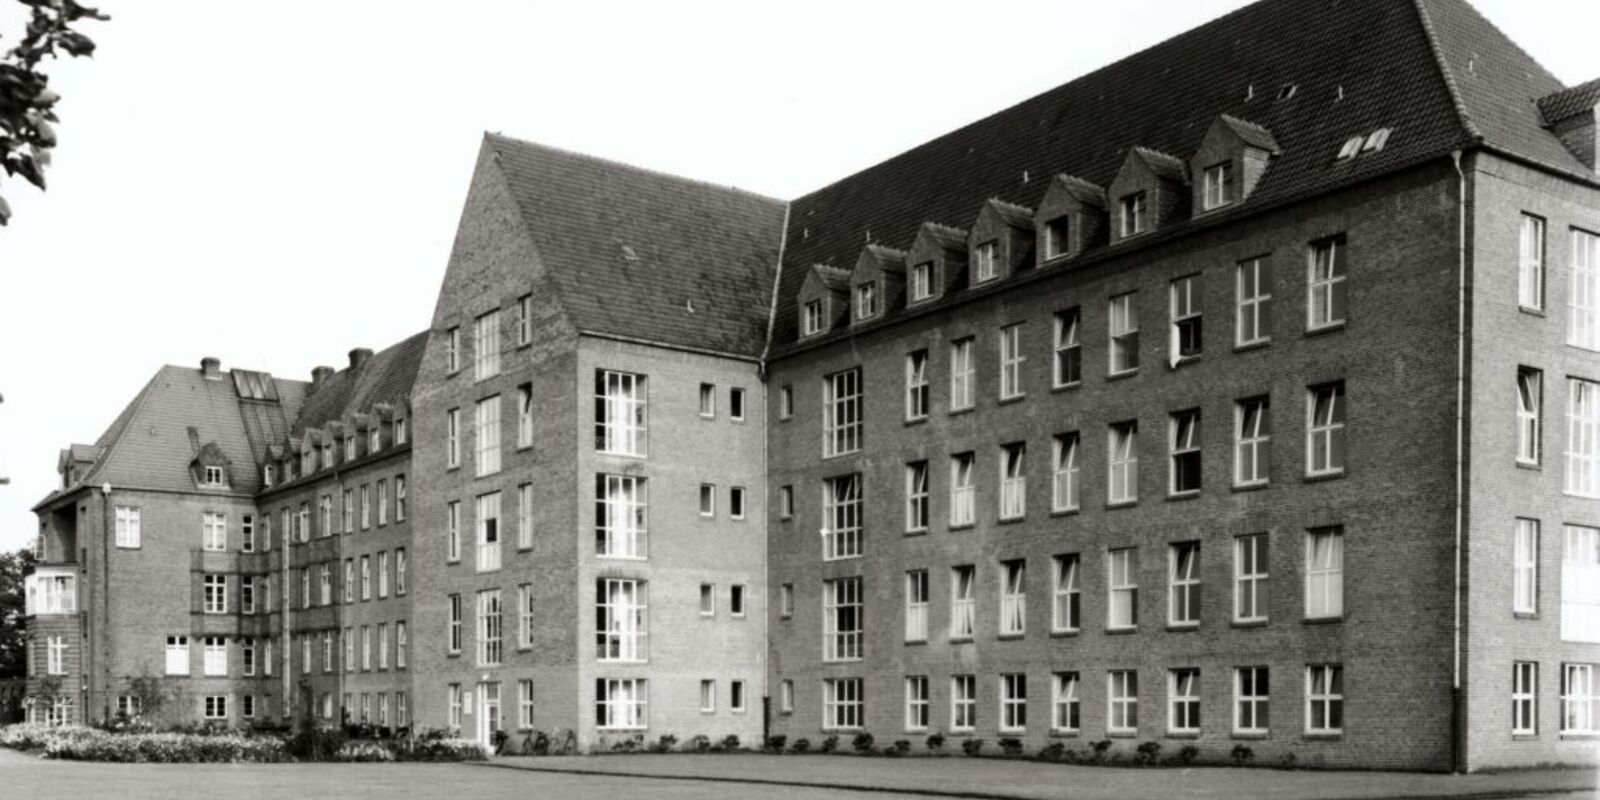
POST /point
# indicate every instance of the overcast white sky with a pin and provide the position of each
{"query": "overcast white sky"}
(276, 183)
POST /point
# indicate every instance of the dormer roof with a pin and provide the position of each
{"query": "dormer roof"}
(1163, 166)
(1010, 213)
(943, 236)
(831, 278)
(1080, 190)
(1558, 106)
(885, 259)
(1251, 134)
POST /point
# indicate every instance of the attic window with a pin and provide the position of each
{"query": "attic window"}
(922, 281)
(266, 474)
(1133, 214)
(1287, 90)
(214, 477)
(866, 300)
(986, 261)
(1376, 141)
(811, 319)
(1056, 242)
(1218, 185)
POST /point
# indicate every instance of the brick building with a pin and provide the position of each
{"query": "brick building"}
(1242, 393)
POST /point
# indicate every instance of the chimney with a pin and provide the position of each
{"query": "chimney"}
(359, 357)
(319, 376)
(211, 368)
(1571, 114)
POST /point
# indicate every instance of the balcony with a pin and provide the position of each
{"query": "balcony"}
(51, 590)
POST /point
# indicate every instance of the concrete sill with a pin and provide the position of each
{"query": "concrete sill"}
(1006, 401)
(1067, 387)
(959, 411)
(916, 421)
(1066, 634)
(1328, 476)
(1121, 631)
(1183, 735)
(1249, 487)
(1253, 623)
(965, 526)
(1251, 737)
(1524, 615)
(1065, 512)
(1531, 311)
(1245, 348)
(1530, 467)
(1121, 504)
(1322, 620)
(1127, 373)
(1192, 494)
(1326, 329)
(1185, 628)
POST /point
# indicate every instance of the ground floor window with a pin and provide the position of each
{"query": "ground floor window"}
(217, 706)
(1122, 701)
(620, 703)
(1580, 698)
(1065, 713)
(1525, 697)
(917, 703)
(843, 703)
(963, 702)
(1250, 696)
(1324, 698)
(1183, 701)
(525, 703)
(1013, 702)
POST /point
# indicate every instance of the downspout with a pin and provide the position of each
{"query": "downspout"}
(104, 628)
(1456, 699)
(766, 432)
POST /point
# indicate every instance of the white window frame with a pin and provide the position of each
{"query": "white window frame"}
(216, 656)
(1064, 487)
(918, 703)
(708, 401)
(786, 696)
(1583, 325)
(1251, 573)
(490, 630)
(525, 415)
(1122, 589)
(866, 300)
(1066, 606)
(487, 438)
(1066, 708)
(917, 394)
(916, 595)
(1011, 360)
(843, 503)
(1122, 473)
(1184, 444)
(1218, 185)
(1013, 481)
(963, 495)
(986, 262)
(708, 696)
(1013, 598)
(452, 351)
(486, 346)
(1122, 701)
(1326, 440)
(622, 703)
(452, 458)
(1327, 304)
(128, 527)
(1058, 237)
(490, 537)
(177, 655)
(1123, 328)
(1067, 366)
(963, 374)
(215, 595)
(1525, 567)
(1185, 311)
(1134, 209)
(843, 407)
(621, 413)
(1580, 698)
(963, 703)
(1530, 410)
(1252, 441)
(963, 602)
(811, 318)
(1583, 438)
(1252, 302)
(917, 499)
(524, 319)
(1580, 584)
(1183, 700)
(921, 281)
(622, 621)
(1324, 692)
(842, 634)
(843, 704)
(526, 604)
(1530, 264)
(621, 512)
(1524, 698)
(453, 531)
(1183, 585)
(1252, 700)
(1324, 573)
(525, 704)
(1013, 702)
(214, 531)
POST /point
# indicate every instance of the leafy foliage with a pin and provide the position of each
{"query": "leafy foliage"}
(27, 103)
(13, 641)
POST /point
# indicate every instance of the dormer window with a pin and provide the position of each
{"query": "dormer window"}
(267, 474)
(214, 477)
(374, 438)
(866, 300)
(1056, 243)
(811, 321)
(1134, 214)
(308, 462)
(1219, 184)
(350, 447)
(921, 281)
(986, 262)
(400, 431)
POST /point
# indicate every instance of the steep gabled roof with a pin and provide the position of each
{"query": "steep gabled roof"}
(645, 255)
(1434, 71)
(386, 377)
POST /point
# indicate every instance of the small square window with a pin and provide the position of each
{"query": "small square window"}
(708, 400)
(1056, 241)
(736, 404)
(708, 599)
(708, 499)
(736, 502)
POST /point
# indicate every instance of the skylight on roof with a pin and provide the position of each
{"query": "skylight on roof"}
(1351, 147)
(1376, 141)
(1287, 90)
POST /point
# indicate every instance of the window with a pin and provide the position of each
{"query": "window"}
(736, 696)
(1122, 701)
(1066, 598)
(214, 477)
(347, 511)
(1183, 584)
(841, 620)
(786, 600)
(488, 440)
(843, 703)
(1326, 304)
(452, 458)
(786, 502)
(56, 656)
(841, 517)
(366, 649)
(986, 262)
(917, 496)
(736, 600)
(1324, 573)
(621, 619)
(383, 502)
(1252, 445)
(786, 696)
(1185, 474)
(1013, 702)
(1124, 463)
(1011, 359)
(216, 655)
(1124, 324)
(1584, 326)
(453, 702)
(486, 345)
(866, 300)
(786, 402)
(525, 516)
(453, 531)
(1013, 481)
(1068, 367)
(736, 404)
(366, 506)
(525, 704)
(1064, 704)
(963, 702)
(400, 430)
(1525, 568)
(917, 385)
(811, 319)
(453, 639)
(1218, 182)
(216, 594)
(1013, 598)
(620, 516)
(708, 400)
(917, 605)
(452, 350)
(383, 645)
(1250, 578)
(922, 281)
(917, 703)
(383, 574)
(708, 599)
(128, 534)
(490, 640)
(1187, 341)
(525, 616)
(525, 415)
(214, 531)
(1583, 438)
(1183, 701)
(1580, 585)
(1530, 269)
(400, 645)
(1133, 213)
(708, 697)
(619, 413)
(1250, 700)
(1056, 237)
(1530, 405)
(524, 319)
(1253, 296)
(216, 706)
(963, 602)
(399, 571)
(247, 596)
(1064, 487)
(736, 502)
(1325, 698)
(1524, 698)
(1580, 698)
(1325, 435)
(841, 404)
(349, 649)
(708, 500)
(962, 493)
(621, 703)
(177, 655)
(962, 389)
(489, 532)
(1123, 586)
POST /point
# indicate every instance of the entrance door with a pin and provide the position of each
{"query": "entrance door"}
(488, 712)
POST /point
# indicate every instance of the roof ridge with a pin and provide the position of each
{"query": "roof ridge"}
(1445, 72)
(500, 137)
(132, 410)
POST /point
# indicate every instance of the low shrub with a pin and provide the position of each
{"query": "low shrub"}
(935, 742)
(862, 743)
(775, 743)
(437, 749)
(1148, 752)
(972, 747)
(902, 747)
(1101, 750)
(730, 742)
(1010, 745)
(665, 743)
(1187, 754)
(1055, 751)
(33, 736)
(363, 752)
(698, 744)
(168, 748)
(829, 744)
(801, 745)
(320, 743)
(1242, 754)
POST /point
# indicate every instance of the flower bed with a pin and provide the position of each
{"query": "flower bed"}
(166, 748)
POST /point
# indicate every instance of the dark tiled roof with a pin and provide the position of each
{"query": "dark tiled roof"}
(1251, 134)
(1358, 65)
(946, 235)
(1566, 103)
(385, 377)
(702, 259)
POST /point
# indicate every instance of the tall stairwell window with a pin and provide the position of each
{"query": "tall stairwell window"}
(619, 413)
